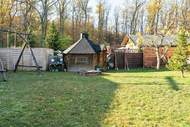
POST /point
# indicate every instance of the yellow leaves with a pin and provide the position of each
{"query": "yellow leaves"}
(187, 33)
(147, 29)
(166, 31)
(154, 6)
(189, 49)
(183, 30)
(125, 41)
(5, 9)
(100, 8)
(153, 9)
(140, 40)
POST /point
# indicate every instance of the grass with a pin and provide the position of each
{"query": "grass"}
(139, 98)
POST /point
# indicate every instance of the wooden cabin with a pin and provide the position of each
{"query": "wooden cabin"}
(82, 55)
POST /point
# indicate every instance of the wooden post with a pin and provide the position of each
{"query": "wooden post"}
(26, 43)
(34, 58)
(16, 65)
(32, 53)
(125, 59)
(15, 39)
(7, 39)
(1, 39)
(116, 66)
(68, 59)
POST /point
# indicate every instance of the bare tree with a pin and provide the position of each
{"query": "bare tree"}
(116, 23)
(83, 4)
(142, 21)
(77, 18)
(107, 13)
(11, 13)
(125, 16)
(42, 7)
(26, 11)
(73, 9)
(62, 11)
(138, 5)
(161, 49)
(153, 16)
(185, 13)
(100, 10)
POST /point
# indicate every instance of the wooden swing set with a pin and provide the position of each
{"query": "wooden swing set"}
(26, 44)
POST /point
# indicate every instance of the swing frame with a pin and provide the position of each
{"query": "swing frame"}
(26, 44)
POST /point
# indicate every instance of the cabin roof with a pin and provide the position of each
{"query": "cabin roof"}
(83, 46)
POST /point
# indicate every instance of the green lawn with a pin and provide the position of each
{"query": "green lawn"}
(139, 98)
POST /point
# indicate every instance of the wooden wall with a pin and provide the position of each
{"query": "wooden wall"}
(10, 56)
(102, 58)
(74, 67)
(135, 60)
(145, 59)
(149, 56)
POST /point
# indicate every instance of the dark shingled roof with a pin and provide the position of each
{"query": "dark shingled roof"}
(83, 46)
(96, 47)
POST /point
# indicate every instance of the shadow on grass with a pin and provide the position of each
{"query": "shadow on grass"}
(172, 83)
(55, 100)
(139, 70)
(133, 76)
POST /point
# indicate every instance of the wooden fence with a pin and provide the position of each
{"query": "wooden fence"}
(149, 56)
(9, 57)
(134, 60)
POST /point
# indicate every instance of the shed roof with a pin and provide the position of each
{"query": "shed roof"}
(83, 46)
(156, 40)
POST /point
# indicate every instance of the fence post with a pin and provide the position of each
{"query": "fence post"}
(116, 66)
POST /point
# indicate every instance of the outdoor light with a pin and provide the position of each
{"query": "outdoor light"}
(52, 60)
(61, 60)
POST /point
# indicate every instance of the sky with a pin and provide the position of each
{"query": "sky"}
(113, 3)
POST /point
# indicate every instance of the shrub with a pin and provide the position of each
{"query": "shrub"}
(178, 62)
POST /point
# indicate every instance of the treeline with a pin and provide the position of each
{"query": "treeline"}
(106, 25)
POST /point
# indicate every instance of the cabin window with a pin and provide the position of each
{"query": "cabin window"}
(82, 60)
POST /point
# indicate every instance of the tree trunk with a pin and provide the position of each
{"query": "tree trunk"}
(62, 22)
(158, 58)
(15, 40)
(73, 27)
(8, 37)
(42, 37)
(157, 21)
(62, 27)
(43, 30)
(85, 21)
(182, 73)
